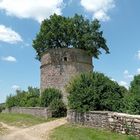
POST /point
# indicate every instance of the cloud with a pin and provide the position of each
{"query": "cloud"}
(9, 36)
(138, 71)
(99, 8)
(127, 75)
(9, 59)
(70, 2)
(112, 79)
(126, 72)
(34, 9)
(123, 83)
(15, 87)
(138, 55)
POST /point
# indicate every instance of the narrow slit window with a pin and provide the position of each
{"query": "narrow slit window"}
(65, 59)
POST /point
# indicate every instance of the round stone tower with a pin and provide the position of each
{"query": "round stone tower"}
(59, 65)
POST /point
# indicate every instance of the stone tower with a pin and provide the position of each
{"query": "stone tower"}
(59, 65)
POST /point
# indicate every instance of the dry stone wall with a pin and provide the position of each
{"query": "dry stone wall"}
(117, 122)
(35, 111)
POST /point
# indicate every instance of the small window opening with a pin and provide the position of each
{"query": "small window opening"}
(65, 59)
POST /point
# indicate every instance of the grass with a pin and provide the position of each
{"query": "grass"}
(21, 120)
(71, 132)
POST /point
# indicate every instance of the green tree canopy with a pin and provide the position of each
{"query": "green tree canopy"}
(76, 32)
(135, 85)
(94, 91)
(29, 98)
(132, 100)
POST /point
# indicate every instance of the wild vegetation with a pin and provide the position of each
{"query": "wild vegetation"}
(53, 98)
(29, 98)
(87, 92)
(132, 100)
(66, 32)
(72, 132)
(2, 107)
(50, 97)
(95, 91)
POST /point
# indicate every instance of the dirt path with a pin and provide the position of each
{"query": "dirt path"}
(37, 132)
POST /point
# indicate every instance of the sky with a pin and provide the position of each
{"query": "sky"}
(20, 22)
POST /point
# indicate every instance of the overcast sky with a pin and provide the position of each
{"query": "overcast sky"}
(20, 21)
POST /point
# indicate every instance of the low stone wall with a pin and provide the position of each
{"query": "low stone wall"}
(35, 111)
(117, 122)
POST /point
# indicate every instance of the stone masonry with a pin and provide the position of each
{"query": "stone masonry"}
(117, 122)
(35, 111)
(59, 65)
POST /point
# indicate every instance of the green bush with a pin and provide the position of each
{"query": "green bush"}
(11, 101)
(30, 98)
(48, 95)
(94, 91)
(52, 98)
(58, 108)
(2, 107)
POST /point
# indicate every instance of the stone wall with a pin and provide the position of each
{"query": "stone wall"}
(35, 111)
(117, 122)
(59, 65)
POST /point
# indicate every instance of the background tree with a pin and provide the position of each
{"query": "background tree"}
(135, 85)
(132, 100)
(94, 91)
(29, 98)
(76, 32)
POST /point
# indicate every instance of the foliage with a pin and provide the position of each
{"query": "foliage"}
(94, 91)
(28, 98)
(76, 32)
(58, 108)
(48, 95)
(52, 98)
(2, 107)
(132, 100)
(73, 132)
(135, 85)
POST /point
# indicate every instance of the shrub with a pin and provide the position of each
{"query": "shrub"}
(29, 98)
(58, 108)
(52, 98)
(94, 91)
(48, 95)
(2, 107)
(11, 101)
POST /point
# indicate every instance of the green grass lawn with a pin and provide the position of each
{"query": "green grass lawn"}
(21, 120)
(69, 132)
